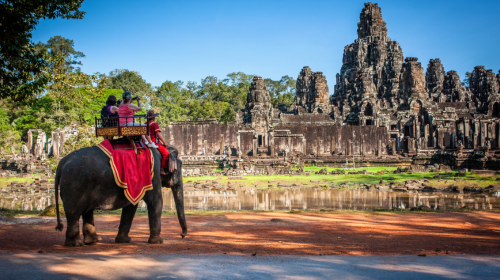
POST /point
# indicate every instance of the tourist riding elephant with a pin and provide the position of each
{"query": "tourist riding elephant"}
(87, 183)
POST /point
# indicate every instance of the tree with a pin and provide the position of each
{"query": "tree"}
(132, 82)
(71, 89)
(20, 64)
(282, 91)
(466, 80)
(8, 134)
(173, 102)
(58, 46)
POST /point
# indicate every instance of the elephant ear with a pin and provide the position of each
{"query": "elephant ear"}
(172, 163)
(173, 151)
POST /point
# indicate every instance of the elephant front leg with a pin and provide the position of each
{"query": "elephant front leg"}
(128, 213)
(89, 234)
(155, 206)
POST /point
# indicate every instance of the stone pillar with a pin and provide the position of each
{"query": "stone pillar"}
(348, 148)
(30, 141)
(491, 131)
(318, 146)
(426, 134)
(221, 144)
(55, 144)
(254, 149)
(304, 145)
(206, 147)
(417, 130)
(62, 139)
(439, 139)
(332, 146)
(44, 141)
(238, 137)
(271, 144)
(484, 133)
(362, 152)
(466, 128)
(379, 148)
(474, 140)
(394, 147)
(431, 133)
(190, 144)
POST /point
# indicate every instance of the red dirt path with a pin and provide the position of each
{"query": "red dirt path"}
(293, 234)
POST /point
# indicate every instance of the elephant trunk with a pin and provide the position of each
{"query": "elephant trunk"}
(178, 192)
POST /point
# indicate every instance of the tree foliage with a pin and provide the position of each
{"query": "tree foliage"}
(20, 64)
(130, 81)
(466, 80)
(60, 47)
(214, 98)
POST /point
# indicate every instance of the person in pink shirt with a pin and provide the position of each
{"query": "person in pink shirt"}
(127, 109)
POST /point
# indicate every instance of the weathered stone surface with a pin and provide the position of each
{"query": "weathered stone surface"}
(312, 92)
(453, 89)
(412, 80)
(483, 84)
(435, 77)
(371, 23)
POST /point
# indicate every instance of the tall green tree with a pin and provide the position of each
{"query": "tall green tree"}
(8, 134)
(58, 46)
(132, 82)
(20, 64)
(282, 91)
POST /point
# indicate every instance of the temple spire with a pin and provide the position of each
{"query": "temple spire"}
(371, 23)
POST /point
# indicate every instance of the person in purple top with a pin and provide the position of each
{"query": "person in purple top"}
(110, 110)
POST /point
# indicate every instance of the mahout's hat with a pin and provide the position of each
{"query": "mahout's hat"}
(151, 114)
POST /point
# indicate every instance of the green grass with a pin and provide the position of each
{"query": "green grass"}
(262, 181)
(5, 181)
(330, 169)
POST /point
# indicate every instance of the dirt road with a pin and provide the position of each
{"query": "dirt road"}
(277, 233)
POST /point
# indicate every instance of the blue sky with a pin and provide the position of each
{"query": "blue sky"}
(189, 40)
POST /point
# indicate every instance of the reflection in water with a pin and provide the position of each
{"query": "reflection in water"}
(287, 199)
(310, 198)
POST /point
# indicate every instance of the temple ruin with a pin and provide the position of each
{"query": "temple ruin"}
(385, 110)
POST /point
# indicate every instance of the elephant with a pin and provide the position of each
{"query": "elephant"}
(86, 182)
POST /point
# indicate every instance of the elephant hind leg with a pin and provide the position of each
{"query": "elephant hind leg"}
(73, 230)
(89, 234)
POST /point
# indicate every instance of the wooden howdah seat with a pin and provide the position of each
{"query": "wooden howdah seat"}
(111, 127)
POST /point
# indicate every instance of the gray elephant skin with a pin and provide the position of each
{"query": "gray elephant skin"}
(86, 182)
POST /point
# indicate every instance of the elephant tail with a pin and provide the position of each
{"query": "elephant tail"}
(59, 226)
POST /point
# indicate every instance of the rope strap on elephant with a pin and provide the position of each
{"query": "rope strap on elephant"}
(132, 171)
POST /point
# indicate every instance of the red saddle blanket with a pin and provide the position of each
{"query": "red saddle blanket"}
(133, 172)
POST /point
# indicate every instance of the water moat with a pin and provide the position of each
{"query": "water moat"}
(295, 198)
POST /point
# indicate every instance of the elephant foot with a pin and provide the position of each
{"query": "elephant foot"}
(73, 242)
(155, 240)
(91, 239)
(122, 239)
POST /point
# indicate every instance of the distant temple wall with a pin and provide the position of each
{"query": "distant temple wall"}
(319, 140)
(190, 139)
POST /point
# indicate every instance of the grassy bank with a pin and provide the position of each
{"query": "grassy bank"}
(264, 181)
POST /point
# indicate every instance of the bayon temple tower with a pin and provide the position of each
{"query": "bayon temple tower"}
(383, 106)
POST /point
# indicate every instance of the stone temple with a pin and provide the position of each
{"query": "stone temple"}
(385, 110)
